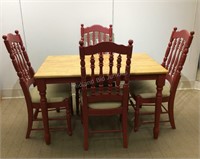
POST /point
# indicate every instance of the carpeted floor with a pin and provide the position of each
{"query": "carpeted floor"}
(183, 142)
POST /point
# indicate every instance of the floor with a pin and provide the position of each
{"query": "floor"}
(183, 142)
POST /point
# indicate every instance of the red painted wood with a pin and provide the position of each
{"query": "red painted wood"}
(105, 93)
(173, 60)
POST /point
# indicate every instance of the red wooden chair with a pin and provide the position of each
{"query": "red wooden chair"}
(90, 36)
(58, 95)
(99, 99)
(144, 92)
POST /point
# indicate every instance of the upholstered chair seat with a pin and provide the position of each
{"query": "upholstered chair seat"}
(55, 93)
(147, 89)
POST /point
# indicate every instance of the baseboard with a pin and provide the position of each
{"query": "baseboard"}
(184, 85)
(197, 85)
(18, 93)
(12, 93)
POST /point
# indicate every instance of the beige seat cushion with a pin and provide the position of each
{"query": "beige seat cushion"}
(103, 105)
(54, 93)
(147, 88)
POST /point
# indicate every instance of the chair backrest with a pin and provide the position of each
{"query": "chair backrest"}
(98, 67)
(20, 60)
(176, 54)
(95, 34)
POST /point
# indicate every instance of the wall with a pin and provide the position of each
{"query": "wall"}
(192, 62)
(1, 70)
(53, 27)
(1, 53)
(197, 34)
(11, 20)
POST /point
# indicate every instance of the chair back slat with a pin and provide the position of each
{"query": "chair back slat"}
(110, 76)
(176, 57)
(88, 39)
(99, 39)
(101, 72)
(119, 60)
(92, 60)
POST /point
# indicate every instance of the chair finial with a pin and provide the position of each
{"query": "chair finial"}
(81, 43)
(17, 32)
(4, 37)
(192, 33)
(130, 42)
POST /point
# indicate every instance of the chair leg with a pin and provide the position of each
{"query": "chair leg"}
(171, 114)
(36, 113)
(68, 116)
(86, 133)
(124, 130)
(77, 88)
(58, 110)
(136, 119)
(81, 115)
(30, 123)
(71, 106)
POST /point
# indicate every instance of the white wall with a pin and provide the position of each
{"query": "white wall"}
(1, 53)
(191, 65)
(11, 20)
(53, 27)
(196, 44)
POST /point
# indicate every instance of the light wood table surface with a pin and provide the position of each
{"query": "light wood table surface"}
(69, 66)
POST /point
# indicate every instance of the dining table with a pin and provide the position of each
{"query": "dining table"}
(66, 69)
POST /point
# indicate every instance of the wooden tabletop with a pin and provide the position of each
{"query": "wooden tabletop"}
(69, 66)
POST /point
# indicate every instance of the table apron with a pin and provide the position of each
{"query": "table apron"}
(78, 79)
